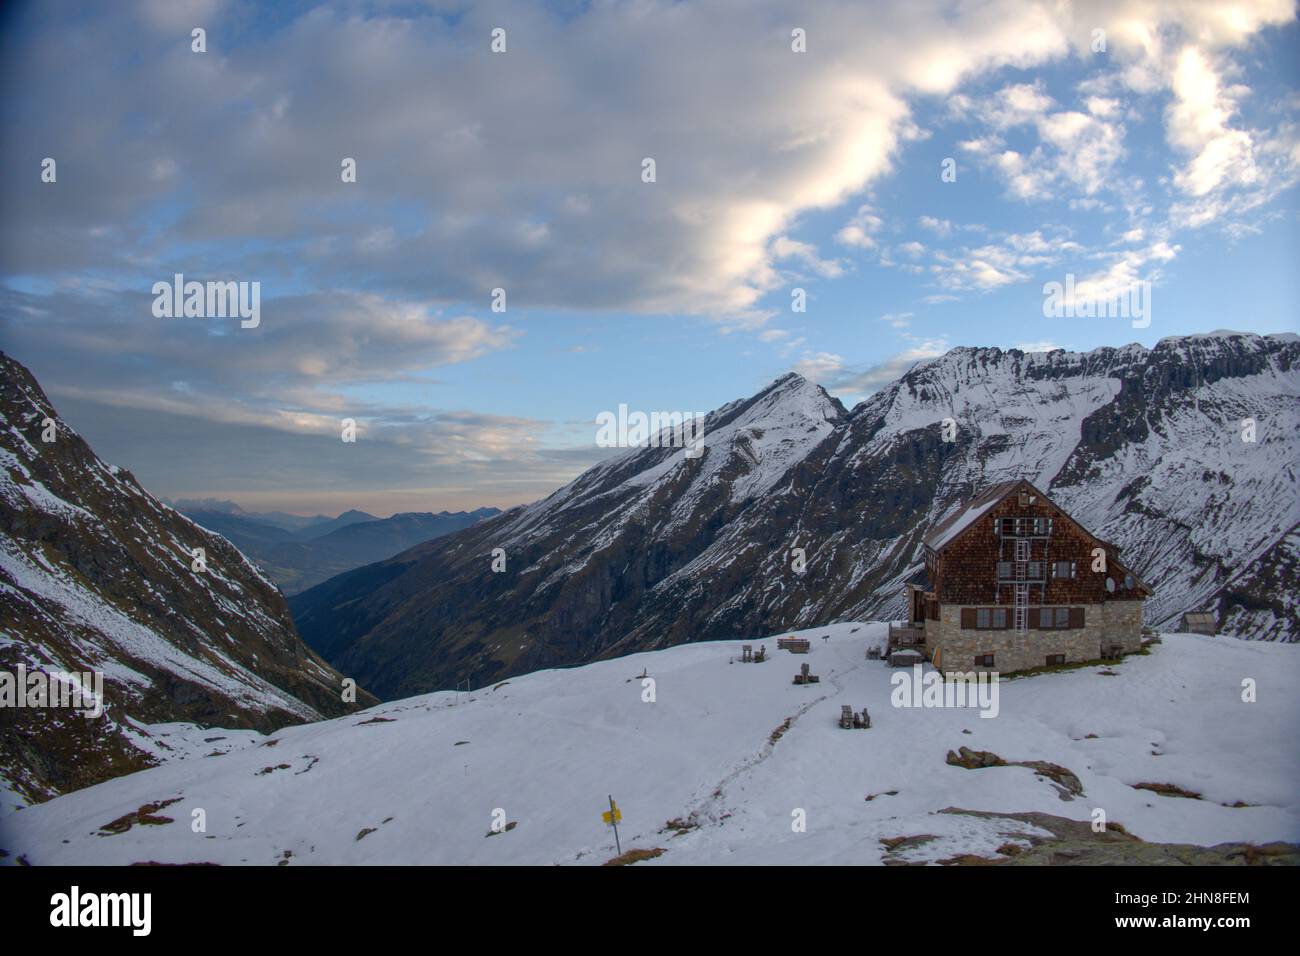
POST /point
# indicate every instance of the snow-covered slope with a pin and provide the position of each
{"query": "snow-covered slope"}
(731, 754)
(649, 549)
(97, 575)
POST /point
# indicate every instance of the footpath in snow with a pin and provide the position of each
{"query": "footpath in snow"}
(421, 781)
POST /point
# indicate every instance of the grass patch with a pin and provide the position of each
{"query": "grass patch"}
(634, 856)
(1062, 668)
(680, 826)
(1167, 790)
(146, 815)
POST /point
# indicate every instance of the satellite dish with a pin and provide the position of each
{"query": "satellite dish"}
(1110, 585)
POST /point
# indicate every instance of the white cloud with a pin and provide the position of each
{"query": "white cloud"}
(1075, 149)
(859, 231)
(784, 247)
(1010, 258)
(819, 365)
(940, 227)
(853, 384)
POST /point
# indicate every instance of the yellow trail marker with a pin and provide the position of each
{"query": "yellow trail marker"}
(611, 817)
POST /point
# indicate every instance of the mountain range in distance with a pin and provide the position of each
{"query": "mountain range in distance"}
(298, 552)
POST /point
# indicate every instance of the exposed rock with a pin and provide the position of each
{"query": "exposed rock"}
(974, 759)
(1074, 843)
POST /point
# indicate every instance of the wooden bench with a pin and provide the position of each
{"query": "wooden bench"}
(803, 677)
(850, 721)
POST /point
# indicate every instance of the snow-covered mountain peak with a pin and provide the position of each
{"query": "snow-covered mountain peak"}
(1147, 448)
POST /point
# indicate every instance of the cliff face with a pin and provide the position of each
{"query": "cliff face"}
(98, 575)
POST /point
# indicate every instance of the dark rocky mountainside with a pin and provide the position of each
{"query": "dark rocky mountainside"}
(648, 549)
(96, 575)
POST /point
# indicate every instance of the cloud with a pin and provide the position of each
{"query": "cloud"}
(1075, 149)
(819, 365)
(784, 247)
(940, 227)
(859, 231)
(523, 171)
(290, 373)
(452, 459)
(855, 383)
(1010, 258)
(1121, 276)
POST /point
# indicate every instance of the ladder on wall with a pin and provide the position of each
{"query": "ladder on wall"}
(1021, 594)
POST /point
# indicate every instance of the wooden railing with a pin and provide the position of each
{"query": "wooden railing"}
(906, 636)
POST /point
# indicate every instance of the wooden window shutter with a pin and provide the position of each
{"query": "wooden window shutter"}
(1076, 617)
(968, 618)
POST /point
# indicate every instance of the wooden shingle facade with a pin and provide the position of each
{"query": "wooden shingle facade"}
(1012, 582)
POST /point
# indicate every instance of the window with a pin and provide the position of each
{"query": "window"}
(983, 660)
(1055, 659)
(984, 618)
(1004, 570)
(1035, 570)
(1059, 618)
(1063, 569)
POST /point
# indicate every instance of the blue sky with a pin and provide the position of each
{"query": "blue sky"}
(1171, 157)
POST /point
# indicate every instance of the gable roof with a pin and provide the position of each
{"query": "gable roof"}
(961, 520)
(952, 526)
